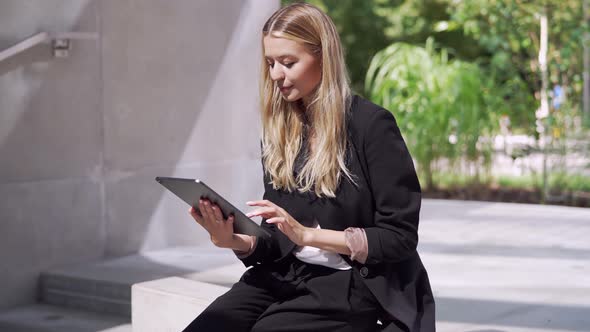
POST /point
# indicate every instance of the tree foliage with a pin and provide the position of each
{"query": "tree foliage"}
(508, 31)
(499, 36)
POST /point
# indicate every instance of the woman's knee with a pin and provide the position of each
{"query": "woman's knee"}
(236, 310)
(264, 325)
(208, 320)
(214, 318)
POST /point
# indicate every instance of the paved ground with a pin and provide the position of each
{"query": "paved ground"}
(507, 267)
(494, 267)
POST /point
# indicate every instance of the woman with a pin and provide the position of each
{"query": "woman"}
(341, 201)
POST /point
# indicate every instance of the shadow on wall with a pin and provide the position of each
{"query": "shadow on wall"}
(15, 70)
(153, 112)
(71, 129)
(38, 216)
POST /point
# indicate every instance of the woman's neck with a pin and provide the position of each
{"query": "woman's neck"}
(305, 101)
(302, 112)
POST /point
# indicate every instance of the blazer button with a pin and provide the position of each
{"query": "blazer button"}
(364, 271)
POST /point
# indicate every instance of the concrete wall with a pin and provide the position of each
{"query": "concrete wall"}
(169, 88)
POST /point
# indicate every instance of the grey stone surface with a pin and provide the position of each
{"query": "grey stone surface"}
(105, 286)
(179, 98)
(45, 318)
(507, 267)
(50, 107)
(493, 267)
(496, 266)
(158, 78)
(49, 208)
(168, 88)
(170, 304)
(225, 275)
(44, 224)
(157, 218)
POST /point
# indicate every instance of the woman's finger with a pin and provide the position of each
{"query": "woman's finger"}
(263, 212)
(217, 212)
(272, 220)
(263, 202)
(276, 220)
(196, 215)
(230, 223)
(206, 218)
(194, 210)
(209, 212)
(201, 208)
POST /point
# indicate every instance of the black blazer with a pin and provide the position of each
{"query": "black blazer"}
(385, 201)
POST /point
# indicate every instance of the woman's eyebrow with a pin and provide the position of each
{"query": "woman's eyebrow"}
(280, 57)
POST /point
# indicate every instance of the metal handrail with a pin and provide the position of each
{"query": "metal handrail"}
(24, 45)
(44, 37)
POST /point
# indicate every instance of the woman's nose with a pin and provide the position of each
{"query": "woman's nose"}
(276, 73)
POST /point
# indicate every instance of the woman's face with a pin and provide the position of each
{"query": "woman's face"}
(295, 70)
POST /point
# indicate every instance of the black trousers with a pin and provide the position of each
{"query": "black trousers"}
(292, 296)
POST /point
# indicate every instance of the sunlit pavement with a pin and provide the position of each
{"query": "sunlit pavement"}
(494, 267)
(507, 267)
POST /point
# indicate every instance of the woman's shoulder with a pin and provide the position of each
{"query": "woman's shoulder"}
(363, 114)
(361, 106)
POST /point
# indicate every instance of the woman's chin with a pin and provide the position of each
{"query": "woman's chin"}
(291, 96)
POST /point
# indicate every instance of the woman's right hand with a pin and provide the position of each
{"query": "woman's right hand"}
(220, 230)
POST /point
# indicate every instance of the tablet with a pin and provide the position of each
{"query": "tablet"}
(191, 190)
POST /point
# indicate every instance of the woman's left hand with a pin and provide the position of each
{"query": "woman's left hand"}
(274, 214)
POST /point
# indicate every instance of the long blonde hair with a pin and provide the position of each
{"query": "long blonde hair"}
(282, 128)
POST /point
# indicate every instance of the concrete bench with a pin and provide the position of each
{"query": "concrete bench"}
(170, 304)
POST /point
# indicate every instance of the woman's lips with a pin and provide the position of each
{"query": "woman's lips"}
(285, 89)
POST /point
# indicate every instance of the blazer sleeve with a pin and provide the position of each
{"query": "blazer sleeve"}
(396, 191)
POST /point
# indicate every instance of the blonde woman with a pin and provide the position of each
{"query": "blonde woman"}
(341, 200)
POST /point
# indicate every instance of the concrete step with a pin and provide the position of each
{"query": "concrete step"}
(46, 318)
(105, 286)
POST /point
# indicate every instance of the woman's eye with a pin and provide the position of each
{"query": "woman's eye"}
(288, 65)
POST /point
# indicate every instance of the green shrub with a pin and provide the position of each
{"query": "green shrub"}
(445, 109)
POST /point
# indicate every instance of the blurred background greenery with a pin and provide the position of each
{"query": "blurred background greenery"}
(464, 80)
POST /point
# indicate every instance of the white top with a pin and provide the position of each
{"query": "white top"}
(313, 255)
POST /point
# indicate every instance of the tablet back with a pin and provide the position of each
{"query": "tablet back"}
(191, 190)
